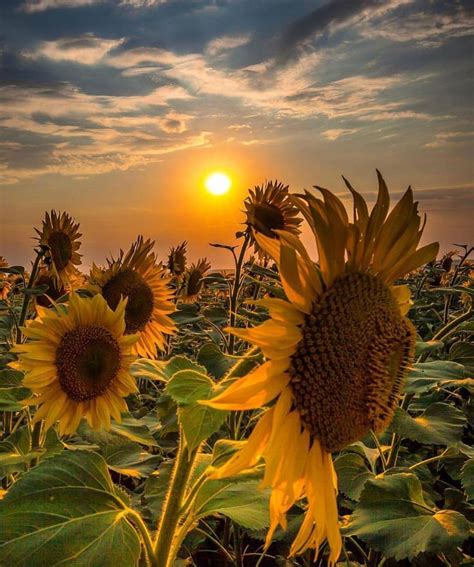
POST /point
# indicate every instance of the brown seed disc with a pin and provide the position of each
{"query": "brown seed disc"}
(348, 369)
(139, 308)
(88, 359)
(60, 247)
(265, 218)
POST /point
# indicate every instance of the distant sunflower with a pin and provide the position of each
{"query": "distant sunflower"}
(193, 281)
(5, 288)
(137, 277)
(269, 209)
(337, 351)
(3, 262)
(56, 289)
(177, 259)
(59, 236)
(78, 363)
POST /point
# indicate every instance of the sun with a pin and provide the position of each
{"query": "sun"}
(218, 183)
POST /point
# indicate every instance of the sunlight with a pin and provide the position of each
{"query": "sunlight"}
(218, 183)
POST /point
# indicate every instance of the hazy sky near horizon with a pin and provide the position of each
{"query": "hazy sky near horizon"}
(116, 110)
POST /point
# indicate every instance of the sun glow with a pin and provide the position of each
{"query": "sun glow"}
(218, 183)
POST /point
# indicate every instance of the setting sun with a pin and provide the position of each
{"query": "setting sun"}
(218, 183)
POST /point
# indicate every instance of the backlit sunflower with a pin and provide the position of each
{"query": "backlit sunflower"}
(269, 209)
(56, 290)
(137, 276)
(177, 259)
(77, 363)
(337, 351)
(193, 281)
(59, 236)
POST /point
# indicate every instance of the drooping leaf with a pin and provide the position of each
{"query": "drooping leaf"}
(215, 361)
(130, 428)
(148, 369)
(352, 473)
(463, 353)
(425, 375)
(439, 424)
(243, 502)
(187, 387)
(11, 399)
(16, 451)
(130, 459)
(66, 510)
(467, 478)
(393, 517)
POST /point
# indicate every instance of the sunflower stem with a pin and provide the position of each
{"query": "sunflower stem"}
(36, 440)
(138, 522)
(236, 289)
(26, 297)
(164, 549)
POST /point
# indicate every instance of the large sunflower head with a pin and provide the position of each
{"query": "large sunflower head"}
(59, 236)
(269, 209)
(77, 363)
(337, 351)
(177, 259)
(194, 281)
(138, 277)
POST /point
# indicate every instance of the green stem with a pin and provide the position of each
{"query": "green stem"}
(164, 550)
(144, 532)
(449, 327)
(26, 298)
(396, 439)
(36, 439)
(430, 460)
(236, 289)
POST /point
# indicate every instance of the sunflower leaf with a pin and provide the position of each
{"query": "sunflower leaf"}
(427, 374)
(130, 459)
(467, 478)
(352, 474)
(439, 424)
(215, 361)
(393, 517)
(66, 510)
(187, 387)
(242, 502)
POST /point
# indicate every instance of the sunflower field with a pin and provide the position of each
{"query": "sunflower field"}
(288, 411)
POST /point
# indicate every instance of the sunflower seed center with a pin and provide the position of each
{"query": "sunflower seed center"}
(140, 303)
(348, 369)
(88, 359)
(60, 247)
(267, 218)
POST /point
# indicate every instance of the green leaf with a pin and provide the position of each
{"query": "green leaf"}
(428, 346)
(426, 374)
(130, 459)
(392, 517)
(148, 369)
(215, 361)
(11, 399)
(463, 353)
(198, 421)
(130, 428)
(467, 478)
(352, 474)
(439, 424)
(66, 510)
(180, 362)
(16, 451)
(10, 378)
(242, 502)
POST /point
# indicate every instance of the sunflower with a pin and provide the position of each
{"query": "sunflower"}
(337, 351)
(269, 209)
(136, 276)
(5, 288)
(56, 289)
(193, 281)
(78, 363)
(177, 259)
(59, 236)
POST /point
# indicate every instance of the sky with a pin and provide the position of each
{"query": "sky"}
(115, 111)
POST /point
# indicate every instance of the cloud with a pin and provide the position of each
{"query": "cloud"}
(226, 42)
(84, 50)
(443, 139)
(32, 6)
(337, 133)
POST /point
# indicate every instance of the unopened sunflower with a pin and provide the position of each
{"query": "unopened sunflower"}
(59, 236)
(137, 277)
(77, 362)
(269, 209)
(337, 351)
(193, 281)
(177, 259)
